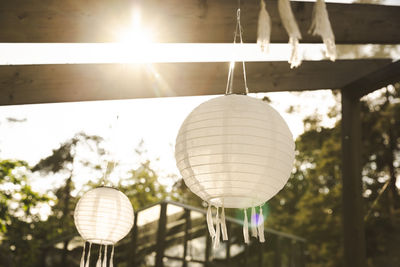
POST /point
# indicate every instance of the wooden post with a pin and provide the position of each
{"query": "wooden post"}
(132, 254)
(162, 225)
(353, 223)
(186, 237)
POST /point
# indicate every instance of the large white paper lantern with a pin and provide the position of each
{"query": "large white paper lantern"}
(103, 216)
(235, 151)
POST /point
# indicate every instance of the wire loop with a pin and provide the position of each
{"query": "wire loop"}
(238, 32)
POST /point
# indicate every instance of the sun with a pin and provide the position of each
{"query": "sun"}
(136, 33)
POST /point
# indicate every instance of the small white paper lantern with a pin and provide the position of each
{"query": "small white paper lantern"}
(235, 151)
(103, 216)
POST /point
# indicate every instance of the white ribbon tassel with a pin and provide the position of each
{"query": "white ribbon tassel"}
(218, 231)
(98, 264)
(82, 264)
(295, 57)
(322, 26)
(223, 225)
(264, 28)
(210, 222)
(112, 257)
(105, 257)
(260, 227)
(246, 228)
(290, 24)
(253, 222)
(88, 256)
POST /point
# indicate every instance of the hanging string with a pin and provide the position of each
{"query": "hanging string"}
(210, 222)
(82, 264)
(260, 226)
(253, 222)
(98, 264)
(223, 225)
(246, 228)
(88, 256)
(105, 257)
(112, 257)
(238, 32)
(241, 42)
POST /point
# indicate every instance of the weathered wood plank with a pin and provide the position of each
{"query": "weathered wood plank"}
(196, 21)
(69, 83)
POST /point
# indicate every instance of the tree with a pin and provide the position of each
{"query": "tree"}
(141, 185)
(18, 214)
(381, 158)
(64, 161)
(310, 204)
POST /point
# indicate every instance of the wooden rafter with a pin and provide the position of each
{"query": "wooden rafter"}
(196, 21)
(66, 83)
(374, 80)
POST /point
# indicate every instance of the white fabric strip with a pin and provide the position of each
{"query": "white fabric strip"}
(82, 264)
(112, 257)
(246, 228)
(105, 257)
(217, 231)
(98, 264)
(88, 256)
(210, 222)
(223, 225)
(322, 26)
(260, 227)
(290, 24)
(264, 28)
(253, 220)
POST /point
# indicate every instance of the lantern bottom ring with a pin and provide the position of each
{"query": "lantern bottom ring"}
(100, 241)
(235, 201)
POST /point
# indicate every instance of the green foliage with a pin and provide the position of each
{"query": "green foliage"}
(63, 158)
(381, 157)
(142, 186)
(17, 197)
(25, 240)
(17, 216)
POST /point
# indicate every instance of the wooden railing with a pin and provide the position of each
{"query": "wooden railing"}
(148, 244)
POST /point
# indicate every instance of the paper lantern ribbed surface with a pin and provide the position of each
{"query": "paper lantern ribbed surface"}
(104, 216)
(235, 151)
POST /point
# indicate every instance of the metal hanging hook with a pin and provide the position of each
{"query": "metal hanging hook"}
(238, 31)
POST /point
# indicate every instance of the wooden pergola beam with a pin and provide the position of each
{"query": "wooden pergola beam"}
(377, 79)
(69, 83)
(194, 21)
